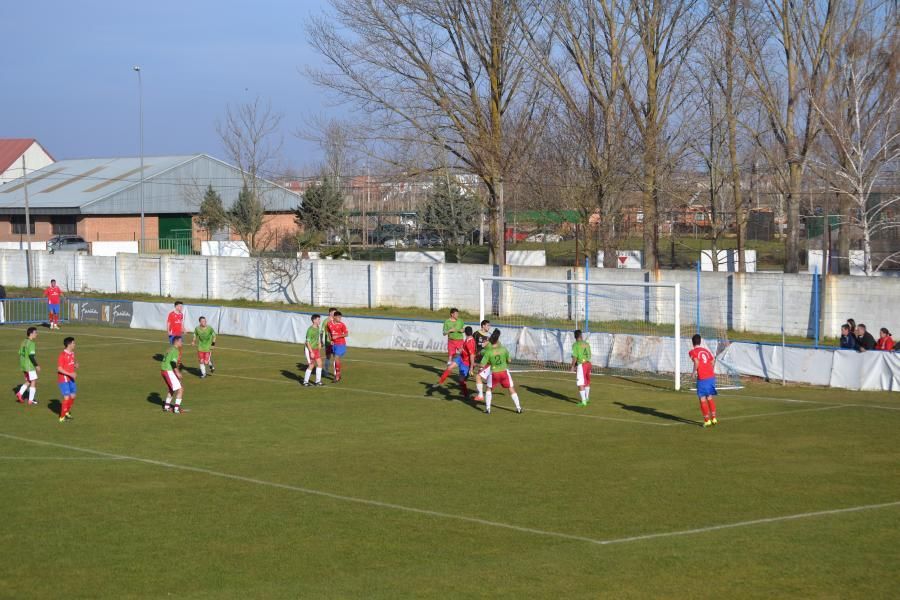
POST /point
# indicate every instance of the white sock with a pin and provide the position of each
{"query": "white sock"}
(487, 400)
(23, 389)
(177, 401)
(32, 392)
(306, 376)
(480, 387)
(318, 375)
(515, 399)
(168, 399)
(202, 369)
(582, 395)
(587, 393)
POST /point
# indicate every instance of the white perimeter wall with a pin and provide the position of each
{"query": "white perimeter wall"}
(743, 302)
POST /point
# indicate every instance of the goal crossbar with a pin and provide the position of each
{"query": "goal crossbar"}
(676, 287)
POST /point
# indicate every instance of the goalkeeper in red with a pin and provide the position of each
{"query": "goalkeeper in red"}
(495, 371)
(581, 364)
(705, 370)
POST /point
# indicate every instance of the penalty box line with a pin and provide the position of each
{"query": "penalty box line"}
(451, 516)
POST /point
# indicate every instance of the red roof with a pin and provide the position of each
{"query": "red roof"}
(12, 149)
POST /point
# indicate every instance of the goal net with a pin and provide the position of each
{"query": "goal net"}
(634, 328)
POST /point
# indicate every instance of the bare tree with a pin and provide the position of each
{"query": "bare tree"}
(593, 134)
(445, 73)
(860, 119)
(788, 48)
(664, 34)
(251, 139)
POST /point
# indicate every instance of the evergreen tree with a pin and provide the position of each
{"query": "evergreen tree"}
(212, 216)
(246, 217)
(451, 211)
(322, 210)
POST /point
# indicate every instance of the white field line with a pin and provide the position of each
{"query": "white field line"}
(297, 356)
(61, 458)
(786, 412)
(451, 516)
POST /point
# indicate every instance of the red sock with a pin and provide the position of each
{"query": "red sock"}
(444, 375)
(704, 408)
(337, 368)
(66, 406)
(712, 407)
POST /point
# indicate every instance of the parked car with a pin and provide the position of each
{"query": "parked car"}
(428, 240)
(67, 243)
(544, 237)
(386, 231)
(395, 243)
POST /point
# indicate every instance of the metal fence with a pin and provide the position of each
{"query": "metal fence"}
(33, 311)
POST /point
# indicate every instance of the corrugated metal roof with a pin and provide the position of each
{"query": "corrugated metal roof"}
(108, 186)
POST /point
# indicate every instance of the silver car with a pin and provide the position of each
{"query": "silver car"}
(67, 243)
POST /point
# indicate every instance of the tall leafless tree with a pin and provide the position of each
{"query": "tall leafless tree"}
(446, 73)
(788, 50)
(860, 115)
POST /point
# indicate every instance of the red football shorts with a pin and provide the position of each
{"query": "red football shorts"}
(204, 357)
(453, 346)
(503, 378)
(583, 374)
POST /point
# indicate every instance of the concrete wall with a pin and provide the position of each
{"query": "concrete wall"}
(742, 302)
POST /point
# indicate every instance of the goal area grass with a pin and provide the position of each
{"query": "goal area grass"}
(383, 487)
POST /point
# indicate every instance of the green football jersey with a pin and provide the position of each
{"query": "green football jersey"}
(26, 350)
(497, 357)
(325, 334)
(581, 352)
(312, 338)
(172, 356)
(454, 329)
(204, 337)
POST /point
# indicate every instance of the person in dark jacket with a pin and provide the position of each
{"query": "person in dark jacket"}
(864, 339)
(848, 340)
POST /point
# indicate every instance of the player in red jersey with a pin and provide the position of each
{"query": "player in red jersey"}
(464, 360)
(66, 365)
(175, 322)
(336, 333)
(705, 370)
(54, 296)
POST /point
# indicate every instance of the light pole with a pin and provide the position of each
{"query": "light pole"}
(137, 70)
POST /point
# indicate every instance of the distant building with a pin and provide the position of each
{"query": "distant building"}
(11, 153)
(100, 200)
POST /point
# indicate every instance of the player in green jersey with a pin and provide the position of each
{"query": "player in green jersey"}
(29, 366)
(495, 370)
(170, 368)
(581, 365)
(314, 351)
(454, 329)
(204, 339)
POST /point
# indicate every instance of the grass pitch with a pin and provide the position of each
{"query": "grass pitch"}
(380, 488)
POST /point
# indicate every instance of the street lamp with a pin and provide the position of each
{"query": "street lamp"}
(137, 70)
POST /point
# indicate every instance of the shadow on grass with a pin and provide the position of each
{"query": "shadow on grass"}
(429, 368)
(448, 394)
(192, 370)
(158, 357)
(549, 394)
(155, 398)
(663, 386)
(55, 406)
(291, 375)
(646, 410)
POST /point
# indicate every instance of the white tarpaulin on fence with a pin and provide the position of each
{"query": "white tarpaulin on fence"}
(827, 367)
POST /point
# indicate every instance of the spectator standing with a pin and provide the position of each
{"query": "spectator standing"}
(848, 339)
(864, 339)
(885, 341)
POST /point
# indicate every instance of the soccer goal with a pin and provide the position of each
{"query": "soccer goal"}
(638, 329)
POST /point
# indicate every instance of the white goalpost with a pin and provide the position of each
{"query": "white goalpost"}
(634, 328)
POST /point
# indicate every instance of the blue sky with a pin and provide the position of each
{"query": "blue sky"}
(66, 73)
